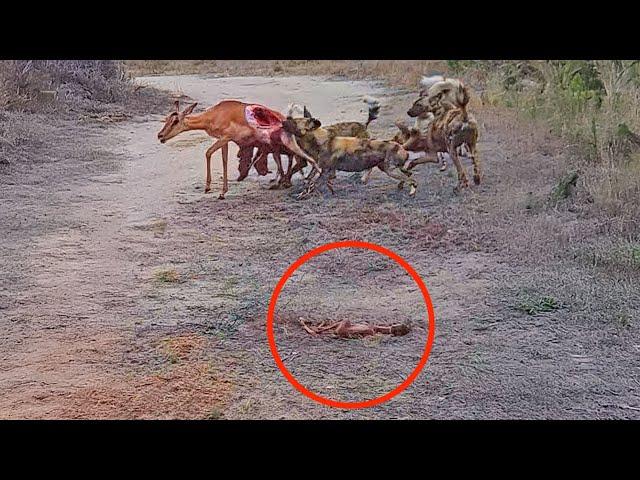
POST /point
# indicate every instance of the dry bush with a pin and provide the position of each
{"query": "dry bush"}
(595, 107)
(44, 84)
(38, 94)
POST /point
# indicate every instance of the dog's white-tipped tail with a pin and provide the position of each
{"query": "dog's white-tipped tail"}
(428, 82)
(293, 109)
(371, 101)
(374, 108)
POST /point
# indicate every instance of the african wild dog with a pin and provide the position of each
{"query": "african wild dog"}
(438, 95)
(348, 154)
(449, 131)
(341, 129)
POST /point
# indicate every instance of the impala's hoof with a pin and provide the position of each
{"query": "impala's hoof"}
(476, 179)
(221, 196)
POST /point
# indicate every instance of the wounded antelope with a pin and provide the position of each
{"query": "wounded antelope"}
(244, 124)
(349, 154)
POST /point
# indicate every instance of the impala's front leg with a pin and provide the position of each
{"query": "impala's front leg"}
(210, 151)
(225, 180)
(292, 144)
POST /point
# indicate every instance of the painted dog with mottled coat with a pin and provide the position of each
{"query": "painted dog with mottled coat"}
(349, 154)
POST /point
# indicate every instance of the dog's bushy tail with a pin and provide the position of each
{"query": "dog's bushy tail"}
(374, 108)
(294, 108)
(428, 82)
(462, 99)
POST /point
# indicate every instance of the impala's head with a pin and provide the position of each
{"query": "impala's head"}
(174, 123)
(301, 126)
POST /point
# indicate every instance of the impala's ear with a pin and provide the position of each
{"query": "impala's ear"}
(306, 113)
(177, 105)
(189, 109)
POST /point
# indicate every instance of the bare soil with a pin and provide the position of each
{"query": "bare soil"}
(126, 292)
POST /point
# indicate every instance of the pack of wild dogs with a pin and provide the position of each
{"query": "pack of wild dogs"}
(443, 129)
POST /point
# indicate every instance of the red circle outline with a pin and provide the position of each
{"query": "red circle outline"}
(350, 244)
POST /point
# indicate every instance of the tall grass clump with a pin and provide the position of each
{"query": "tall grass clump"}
(595, 106)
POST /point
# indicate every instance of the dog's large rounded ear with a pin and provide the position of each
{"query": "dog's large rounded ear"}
(306, 113)
(316, 123)
(189, 109)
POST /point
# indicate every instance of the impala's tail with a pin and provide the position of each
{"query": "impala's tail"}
(374, 109)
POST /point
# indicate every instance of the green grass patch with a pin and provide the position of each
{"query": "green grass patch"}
(537, 305)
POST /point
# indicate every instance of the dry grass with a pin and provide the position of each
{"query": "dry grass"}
(594, 106)
(89, 89)
(400, 73)
(167, 276)
(189, 387)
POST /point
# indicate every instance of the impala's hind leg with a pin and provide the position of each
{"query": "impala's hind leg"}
(225, 161)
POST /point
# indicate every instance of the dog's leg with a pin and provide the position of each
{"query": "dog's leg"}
(286, 181)
(325, 179)
(477, 171)
(300, 164)
(365, 176)
(463, 182)
(397, 174)
(426, 158)
(443, 160)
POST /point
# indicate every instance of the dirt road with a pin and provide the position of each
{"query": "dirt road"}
(128, 293)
